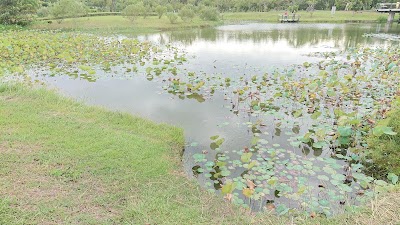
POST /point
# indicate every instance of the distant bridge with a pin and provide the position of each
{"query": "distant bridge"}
(391, 8)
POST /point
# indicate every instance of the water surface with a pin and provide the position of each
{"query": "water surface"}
(228, 51)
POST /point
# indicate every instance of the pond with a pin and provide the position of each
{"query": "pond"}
(250, 131)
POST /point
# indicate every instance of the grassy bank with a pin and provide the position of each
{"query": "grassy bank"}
(384, 150)
(153, 23)
(66, 163)
(63, 162)
(316, 17)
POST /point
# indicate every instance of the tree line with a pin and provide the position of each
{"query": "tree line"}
(24, 11)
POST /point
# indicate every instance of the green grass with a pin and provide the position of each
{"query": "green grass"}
(317, 16)
(66, 163)
(385, 150)
(11, 27)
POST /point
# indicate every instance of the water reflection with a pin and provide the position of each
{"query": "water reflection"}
(237, 49)
(340, 36)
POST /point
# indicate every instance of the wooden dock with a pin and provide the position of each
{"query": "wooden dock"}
(391, 8)
(289, 18)
(388, 7)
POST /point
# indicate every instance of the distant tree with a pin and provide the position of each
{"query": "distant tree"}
(354, 5)
(122, 4)
(205, 6)
(170, 8)
(294, 7)
(43, 12)
(98, 5)
(131, 12)
(186, 13)
(17, 11)
(146, 11)
(160, 10)
(367, 4)
(224, 5)
(209, 13)
(357, 5)
(68, 9)
(340, 4)
(172, 17)
(311, 6)
(175, 5)
(112, 4)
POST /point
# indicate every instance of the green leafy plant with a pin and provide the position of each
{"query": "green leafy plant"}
(384, 143)
(209, 13)
(68, 9)
(17, 11)
(186, 13)
(43, 12)
(381, 19)
(172, 17)
(160, 10)
(131, 12)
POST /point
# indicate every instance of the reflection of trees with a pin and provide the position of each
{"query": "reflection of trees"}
(346, 36)
(211, 34)
(186, 36)
(189, 36)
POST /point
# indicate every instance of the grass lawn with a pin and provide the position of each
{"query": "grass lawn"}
(66, 163)
(317, 16)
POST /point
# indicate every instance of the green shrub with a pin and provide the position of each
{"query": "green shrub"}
(170, 8)
(186, 13)
(209, 13)
(172, 17)
(132, 11)
(68, 9)
(146, 11)
(160, 10)
(135, 10)
(384, 150)
(18, 12)
(381, 19)
(43, 12)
